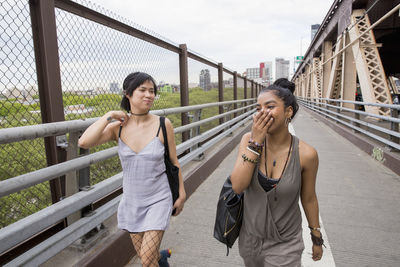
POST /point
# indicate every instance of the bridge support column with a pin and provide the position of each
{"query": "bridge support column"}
(335, 77)
(370, 70)
(326, 68)
(349, 75)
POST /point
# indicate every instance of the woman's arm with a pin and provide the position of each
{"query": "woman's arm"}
(244, 166)
(178, 205)
(102, 130)
(309, 201)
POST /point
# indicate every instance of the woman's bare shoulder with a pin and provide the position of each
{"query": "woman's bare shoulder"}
(307, 152)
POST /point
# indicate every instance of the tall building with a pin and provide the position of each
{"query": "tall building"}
(266, 72)
(253, 73)
(314, 29)
(281, 68)
(205, 80)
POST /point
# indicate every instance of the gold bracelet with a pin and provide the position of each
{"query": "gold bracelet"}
(245, 158)
(315, 228)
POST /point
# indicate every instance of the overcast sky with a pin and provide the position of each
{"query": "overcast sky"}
(240, 34)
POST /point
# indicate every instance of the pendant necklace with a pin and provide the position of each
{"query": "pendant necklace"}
(274, 163)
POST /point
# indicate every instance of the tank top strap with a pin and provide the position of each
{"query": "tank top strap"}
(295, 146)
(159, 127)
(120, 129)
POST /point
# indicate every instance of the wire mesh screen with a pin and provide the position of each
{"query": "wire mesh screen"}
(19, 96)
(94, 61)
(19, 106)
(240, 88)
(203, 88)
(228, 86)
(248, 89)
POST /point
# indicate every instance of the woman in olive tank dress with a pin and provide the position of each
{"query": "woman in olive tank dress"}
(146, 204)
(274, 170)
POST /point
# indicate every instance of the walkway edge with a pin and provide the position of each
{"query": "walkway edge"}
(390, 159)
(119, 250)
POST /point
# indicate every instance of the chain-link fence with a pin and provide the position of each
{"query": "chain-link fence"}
(94, 59)
(19, 106)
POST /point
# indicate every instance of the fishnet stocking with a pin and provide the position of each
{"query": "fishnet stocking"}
(147, 246)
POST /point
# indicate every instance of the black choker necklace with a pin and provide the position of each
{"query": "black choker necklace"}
(142, 114)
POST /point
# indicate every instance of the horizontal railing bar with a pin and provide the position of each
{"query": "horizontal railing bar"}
(201, 59)
(187, 158)
(10, 135)
(374, 136)
(56, 243)
(50, 215)
(25, 228)
(355, 102)
(199, 138)
(367, 124)
(26, 180)
(163, 112)
(387, 118)
(90, 14)
(201, 122)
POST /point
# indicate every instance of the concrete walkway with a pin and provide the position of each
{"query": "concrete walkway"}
(358, 200)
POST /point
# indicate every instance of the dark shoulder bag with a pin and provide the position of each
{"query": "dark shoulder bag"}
(229, 215)
(171, 170)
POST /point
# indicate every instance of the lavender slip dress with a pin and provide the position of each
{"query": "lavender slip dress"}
(146, 202)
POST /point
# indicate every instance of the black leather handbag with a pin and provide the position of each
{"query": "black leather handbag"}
(229, 215)
(171, 170)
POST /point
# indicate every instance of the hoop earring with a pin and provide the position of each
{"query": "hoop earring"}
(287, 121)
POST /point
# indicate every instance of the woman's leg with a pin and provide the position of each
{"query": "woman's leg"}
(150, 250)
(137, 242)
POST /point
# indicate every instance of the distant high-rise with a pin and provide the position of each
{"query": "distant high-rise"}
(205, 80)
(266, 71)
(281, 68)
(314, 29)
(252, 73)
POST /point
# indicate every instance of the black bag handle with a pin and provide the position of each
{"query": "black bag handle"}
(164, 130)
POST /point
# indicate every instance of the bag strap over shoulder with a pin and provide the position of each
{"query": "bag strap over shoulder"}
(164, 130)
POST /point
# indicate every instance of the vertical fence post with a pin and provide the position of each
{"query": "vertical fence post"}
(49, 81)
(394, 126)
(221, 90)
(235, 97)
(252, 89)
(184, 84)
(245, 92)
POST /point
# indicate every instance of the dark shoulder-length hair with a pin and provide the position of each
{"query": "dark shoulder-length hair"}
(285, 95)
(131, 82)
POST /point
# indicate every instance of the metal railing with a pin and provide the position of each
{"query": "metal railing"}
(65, 60)
(384, 129)
(18, 232)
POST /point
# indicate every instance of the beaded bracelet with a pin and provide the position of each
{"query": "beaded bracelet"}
(245, 158)
(251, 141)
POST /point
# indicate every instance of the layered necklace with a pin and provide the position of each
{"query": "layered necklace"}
(274, 163)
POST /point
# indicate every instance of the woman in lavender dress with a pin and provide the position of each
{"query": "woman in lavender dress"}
(146, 204)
